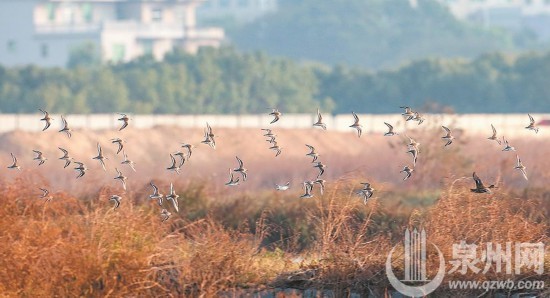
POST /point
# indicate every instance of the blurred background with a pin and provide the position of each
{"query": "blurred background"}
(243, 56)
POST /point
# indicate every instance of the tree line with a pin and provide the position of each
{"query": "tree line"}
(226, 81)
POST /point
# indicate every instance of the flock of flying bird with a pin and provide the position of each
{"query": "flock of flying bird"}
(240, 171)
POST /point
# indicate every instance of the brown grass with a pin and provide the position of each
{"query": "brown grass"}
(226, 240)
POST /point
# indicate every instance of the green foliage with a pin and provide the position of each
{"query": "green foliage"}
(85, 54)
(367, 33)
(225, 81)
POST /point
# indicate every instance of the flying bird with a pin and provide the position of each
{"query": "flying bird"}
(65, 157)
(182, 158)
(409, 114)
(320, 121)
(45, 195)
(14, 163)
(321, 168)
(156, 194)
(282, 187)
(81, 169)
(116, 199)
(100, 157)
(124, 118)
(494, 136)
(46, 119)
(240, 169)
(308, 187)
(173, 166)
(531, 125)
(366, 193)
(414, 152)
(128, 162)
(232, 180)
(480, 188)
(448, 137)
(507, 146)
(418, 117)
(408, 171)
(312, 153)
(173, 197)
(40, 157)
(189, 148)
(276, 114)
(356, 124)
(390, 130)
(519, 166)
(276, 148)
(165, 215)
(66, 129)
(321, 183)
(121, 178)
(120, 143)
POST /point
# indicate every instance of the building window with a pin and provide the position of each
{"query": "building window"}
(11, 46)
(156, 15)
(44, 50)
(119, 52)
(87, 12)
(51, 11)
(147, 47)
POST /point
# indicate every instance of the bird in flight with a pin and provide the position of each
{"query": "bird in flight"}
(448, 137)
(65, 157)
(46, 119)
(356, 124)
(40, 157)
(480, 188)
(519, 166)
(276, 115)
(240, 169)
(14, 165)
(66, 129)
(125, 119)
(319, 122)
(116, 199)
(531, 125)
(100, 157)
(494, 136)
(390, 130)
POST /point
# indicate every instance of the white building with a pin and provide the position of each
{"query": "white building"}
(242, 11)
(43, 32)
(513, 15)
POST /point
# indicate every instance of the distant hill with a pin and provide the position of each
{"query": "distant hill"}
(366, 33)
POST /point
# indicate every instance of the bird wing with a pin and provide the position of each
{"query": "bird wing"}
(389, 126)
(319, 116)
(155, 188)
(45, 192)
(479, 184)
(173, 160)
(446, 129)
(494, 130)
(524, 174)
(239, 161)
(355, 117)
(531, 119)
